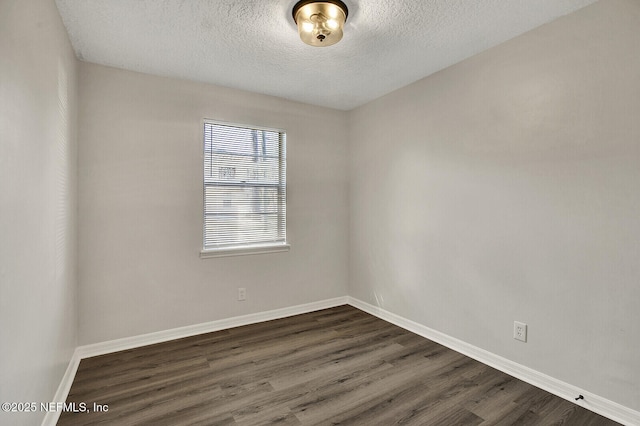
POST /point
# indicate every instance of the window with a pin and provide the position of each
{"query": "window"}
(244, 190)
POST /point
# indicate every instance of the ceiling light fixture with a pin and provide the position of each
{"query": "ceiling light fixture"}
(320, 22)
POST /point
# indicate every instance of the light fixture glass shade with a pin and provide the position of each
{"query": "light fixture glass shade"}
(320, 23)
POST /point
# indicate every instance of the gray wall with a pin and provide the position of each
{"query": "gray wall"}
(506, 188)
(38, 321)
(140, 206)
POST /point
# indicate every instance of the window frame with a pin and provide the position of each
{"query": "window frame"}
(243, 249)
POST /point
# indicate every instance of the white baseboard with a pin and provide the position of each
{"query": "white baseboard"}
(557, 387)
(51, 418)
(207, 327)
(87, 351)
(595, 403)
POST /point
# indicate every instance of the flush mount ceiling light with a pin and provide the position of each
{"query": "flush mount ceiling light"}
(320, 22)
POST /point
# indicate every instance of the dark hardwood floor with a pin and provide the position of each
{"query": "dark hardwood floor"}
(335, 366)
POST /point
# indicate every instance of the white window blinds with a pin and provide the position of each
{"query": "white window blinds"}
(244, 186)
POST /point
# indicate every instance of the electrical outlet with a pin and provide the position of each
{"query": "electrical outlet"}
(520, 331)
(242, 293)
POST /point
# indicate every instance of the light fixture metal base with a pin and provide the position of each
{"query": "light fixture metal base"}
(320, 23)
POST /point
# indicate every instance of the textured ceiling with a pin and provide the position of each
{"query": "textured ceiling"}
(254, 45)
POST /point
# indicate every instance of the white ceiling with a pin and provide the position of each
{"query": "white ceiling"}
(254, 45)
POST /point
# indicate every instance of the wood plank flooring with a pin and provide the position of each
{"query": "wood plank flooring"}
(335, 366)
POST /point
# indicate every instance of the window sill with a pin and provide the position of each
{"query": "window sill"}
(245, 250)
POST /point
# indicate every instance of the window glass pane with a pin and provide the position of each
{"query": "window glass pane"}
(244, 186)
(243, 141)
(239, 169)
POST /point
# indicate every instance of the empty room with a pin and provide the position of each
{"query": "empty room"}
(222, 212)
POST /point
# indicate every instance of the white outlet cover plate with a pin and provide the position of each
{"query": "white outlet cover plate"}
(520, 331)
